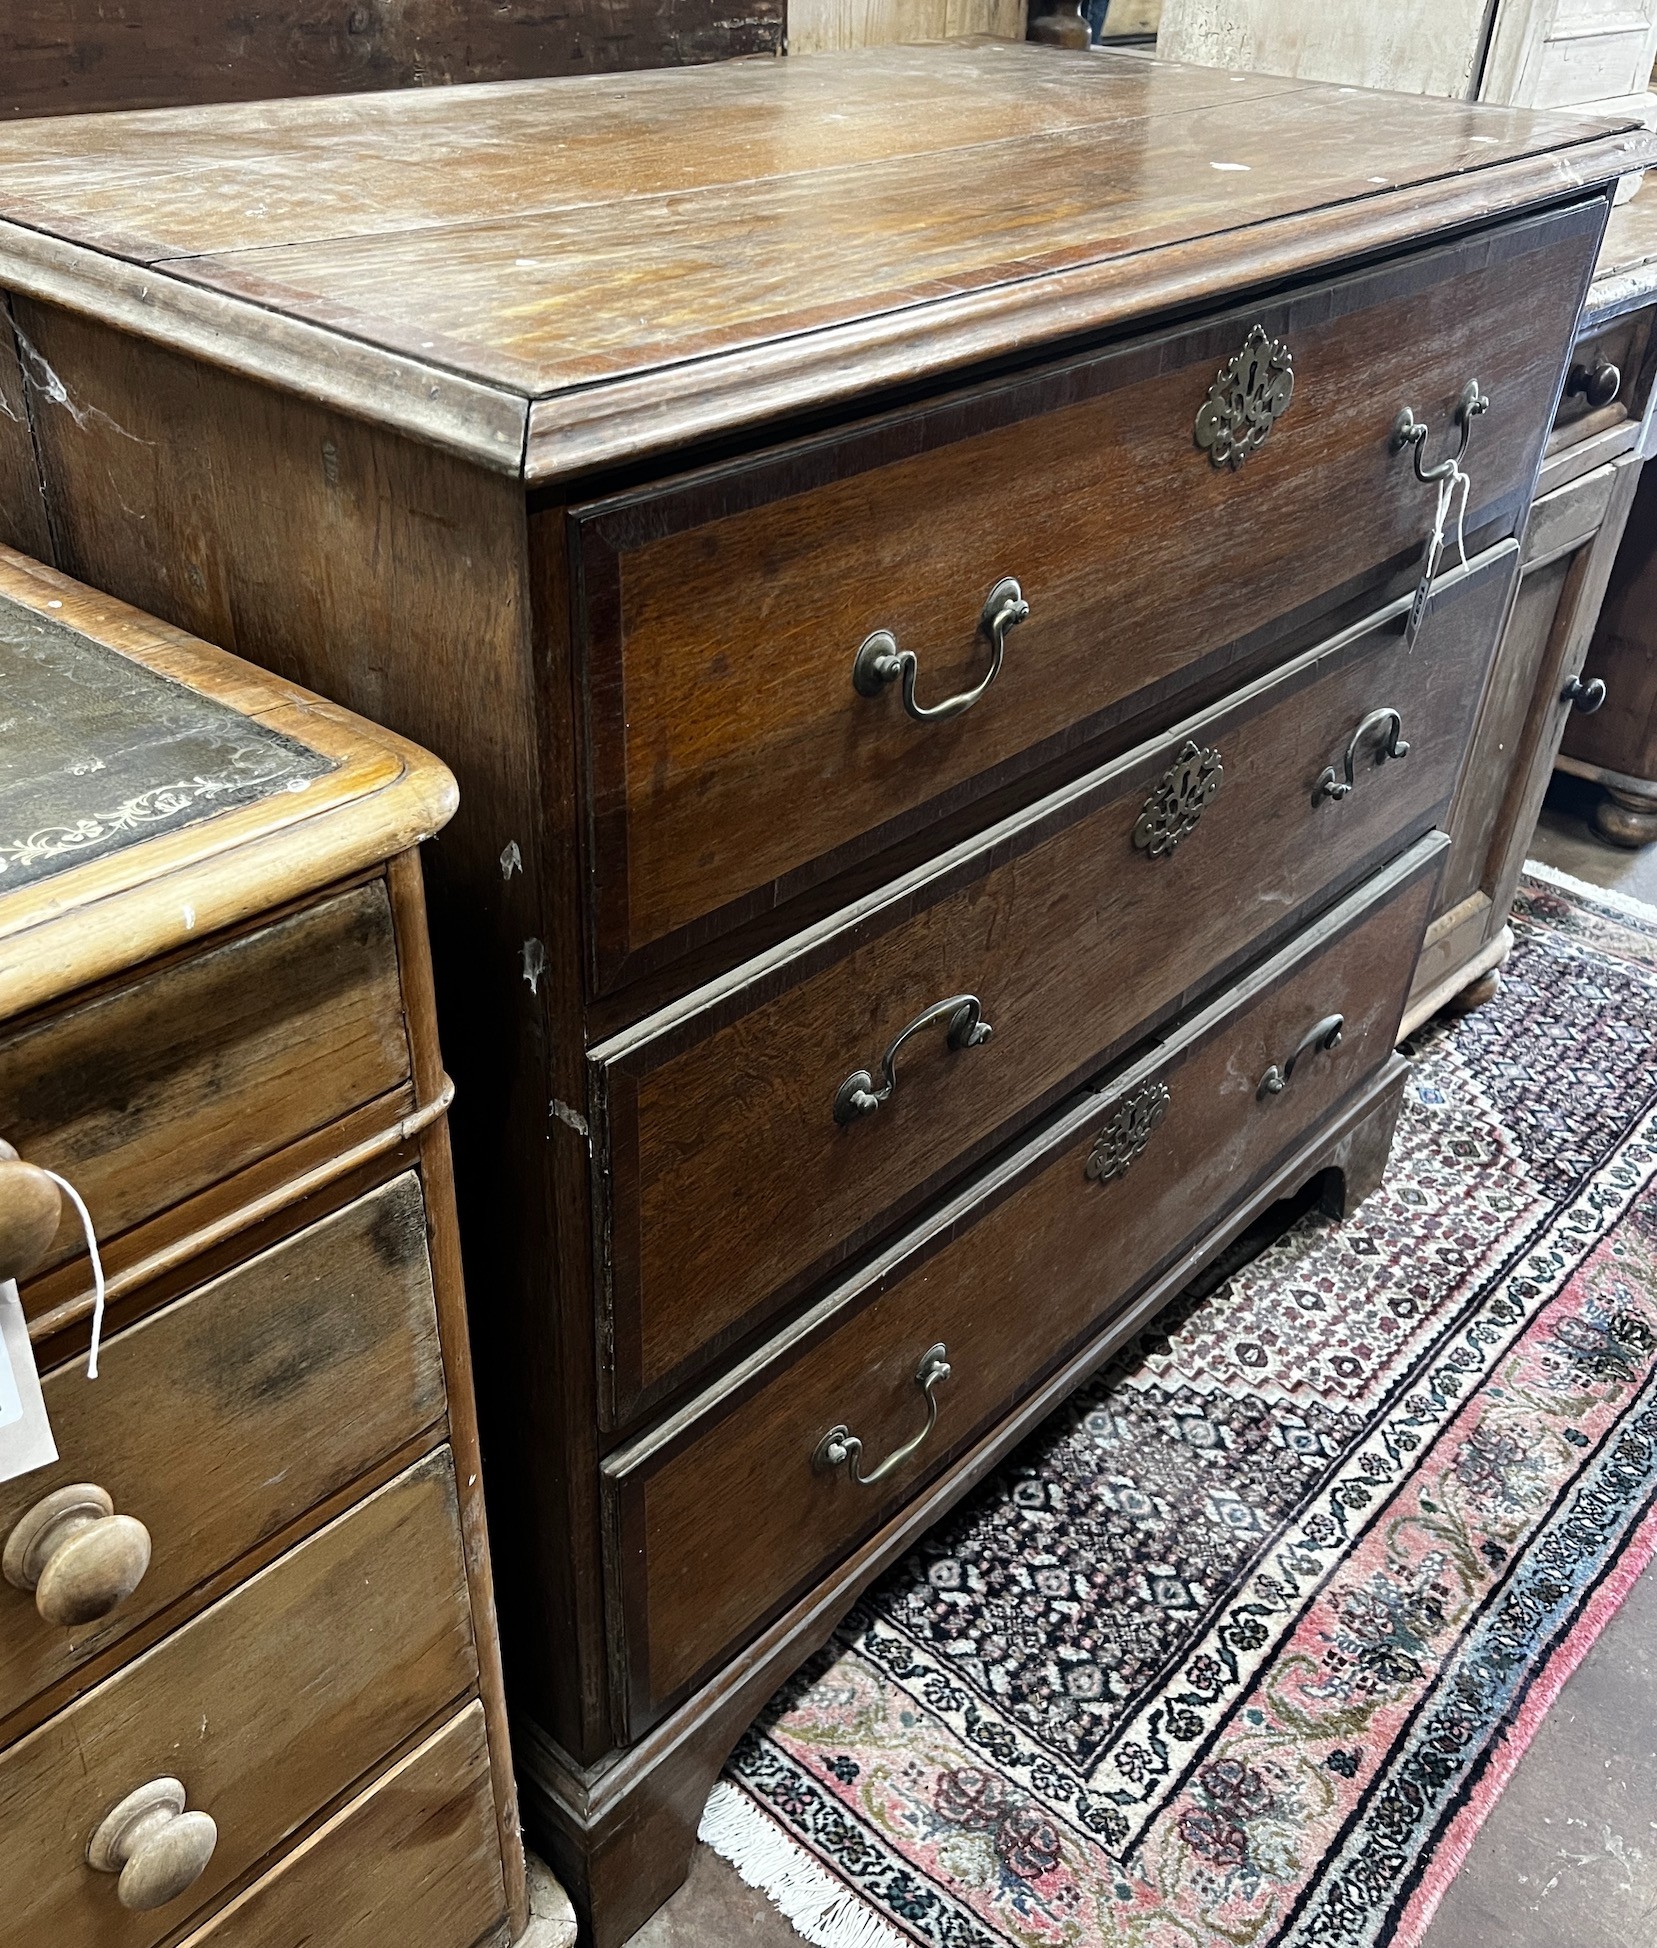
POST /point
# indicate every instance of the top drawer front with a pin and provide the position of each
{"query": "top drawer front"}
(730, 758)
(733, 1184)
(165, 1085)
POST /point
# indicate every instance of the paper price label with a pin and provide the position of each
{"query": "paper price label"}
(25, 1433)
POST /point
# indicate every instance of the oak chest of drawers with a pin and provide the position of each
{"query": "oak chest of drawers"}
(249, 1684)
(910, 557)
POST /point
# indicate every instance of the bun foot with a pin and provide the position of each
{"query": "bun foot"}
(1625, 819)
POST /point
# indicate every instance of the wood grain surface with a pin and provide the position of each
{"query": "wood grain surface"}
(168, 1083)
(732, 1184)
(284, 1381)
(64, 59)
(414, 1860)
(1622, 735)
(724, 1517)
(722, 616)
(842, 196)
(268, 1706)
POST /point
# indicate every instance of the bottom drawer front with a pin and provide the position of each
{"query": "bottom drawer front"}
(266, 1708)
(414, 1863)
(731, 1508)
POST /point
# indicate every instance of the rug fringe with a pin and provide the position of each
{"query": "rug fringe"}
(816, 1904)
(1585, 889)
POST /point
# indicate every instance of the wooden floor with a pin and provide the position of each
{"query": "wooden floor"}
(1568, 1859)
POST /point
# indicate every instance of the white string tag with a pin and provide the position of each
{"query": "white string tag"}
(25, 1433)
(85, 1216)
(1455, 480)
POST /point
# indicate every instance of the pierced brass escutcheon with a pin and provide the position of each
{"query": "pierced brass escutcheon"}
(1182, 793)
(1250, 395)
(1127, 1132)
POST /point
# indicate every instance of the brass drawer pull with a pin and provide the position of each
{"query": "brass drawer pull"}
(1409, 431)
(79, 1557)
(857, 1096)
(1584, 697)
(157, 1848)
(840, 1447)
(1324, 1036)
(1332, 785)
(880, 661)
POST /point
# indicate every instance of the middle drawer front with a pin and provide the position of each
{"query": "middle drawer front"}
(1076, 925)
(283, 1381)
(266, 1708)
(730, 1510)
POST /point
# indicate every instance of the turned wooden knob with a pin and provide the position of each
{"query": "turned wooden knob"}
(156, 1847)
(79, 1557)
(30, 1206)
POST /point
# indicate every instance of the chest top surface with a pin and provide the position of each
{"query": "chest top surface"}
(153, 788)
(505, 263)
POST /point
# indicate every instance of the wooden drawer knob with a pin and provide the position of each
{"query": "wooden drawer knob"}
(79, 1557)
(30, 1206)
(157, 1848)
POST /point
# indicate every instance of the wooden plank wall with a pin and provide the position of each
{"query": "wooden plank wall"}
(815, 26)
(70, 56)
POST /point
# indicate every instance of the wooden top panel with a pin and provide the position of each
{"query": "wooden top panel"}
(153, 788)
(1631, 235)
(543, 239)
(1625, 277)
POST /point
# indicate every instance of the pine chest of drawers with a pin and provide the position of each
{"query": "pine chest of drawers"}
(909, 556)
(249, 1685)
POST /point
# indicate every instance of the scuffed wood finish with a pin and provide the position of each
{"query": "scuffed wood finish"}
(268, 1706)
(1009, 1277)
(166, 1084)
(721, 617)
(286, 1379)
(64, 60)
(23, 521)
(871, 223)
(414, 1860)
(717, 1114)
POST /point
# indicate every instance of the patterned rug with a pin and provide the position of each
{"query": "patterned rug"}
(1239, 1649)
